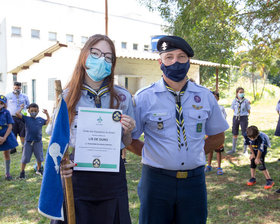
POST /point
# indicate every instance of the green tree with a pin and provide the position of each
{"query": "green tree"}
(260, 61)
(209, 26)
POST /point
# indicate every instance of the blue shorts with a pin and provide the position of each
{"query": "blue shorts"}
(18, 127)
(242, 121)
(166, 199)
(32, 147)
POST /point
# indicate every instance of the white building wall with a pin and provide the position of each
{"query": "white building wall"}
(63, 19)
(50, 68)
(3, 58)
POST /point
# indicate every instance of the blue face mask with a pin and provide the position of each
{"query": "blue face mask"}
(98, 68)
(241, 95)
(177, 71)
(33, 114)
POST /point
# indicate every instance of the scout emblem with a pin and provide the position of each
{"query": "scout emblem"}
(117, 116)
(197, 107)
(122, 97)
(164, 46)
(199, 127)
(96, 163)
(160, 125)
(197, 99)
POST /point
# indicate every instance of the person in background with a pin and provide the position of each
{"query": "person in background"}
(15, 99)
(33, 138)
(7, 138)
(220, 149)
(175, 114)
(277, 131)
(258, 143)
(241, 108)
(99, 197)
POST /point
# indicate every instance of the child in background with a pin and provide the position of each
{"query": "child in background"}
(241, 110)
(33, 137)
(258, 143)
(277, 131)
(7, 138)
(219, 151)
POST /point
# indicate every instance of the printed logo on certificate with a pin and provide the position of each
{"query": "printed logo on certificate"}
(98, 139)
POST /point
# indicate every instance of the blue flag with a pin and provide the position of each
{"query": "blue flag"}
(51, 196)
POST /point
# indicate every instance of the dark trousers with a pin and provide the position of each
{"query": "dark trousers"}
(168, 200)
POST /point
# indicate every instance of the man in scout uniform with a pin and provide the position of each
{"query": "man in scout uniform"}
(175, 115)
(15, 99)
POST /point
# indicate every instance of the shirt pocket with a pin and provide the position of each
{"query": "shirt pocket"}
(158, 123)
(195, 124)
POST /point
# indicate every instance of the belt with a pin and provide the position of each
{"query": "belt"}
(179, 174)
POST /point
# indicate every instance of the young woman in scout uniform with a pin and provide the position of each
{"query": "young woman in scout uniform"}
(100, 197)
(241, 108)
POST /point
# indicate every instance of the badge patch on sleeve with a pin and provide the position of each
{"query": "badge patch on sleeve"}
(199, 127)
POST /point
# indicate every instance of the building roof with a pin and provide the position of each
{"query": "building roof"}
(144, 55)
(46, 53)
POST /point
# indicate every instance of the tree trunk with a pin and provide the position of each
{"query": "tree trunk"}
(264, 82)
(253, 83)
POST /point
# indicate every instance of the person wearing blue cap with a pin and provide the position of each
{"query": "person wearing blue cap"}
(175, 115)
(7, 138)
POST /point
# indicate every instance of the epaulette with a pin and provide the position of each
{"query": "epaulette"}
(144, 88)
(120, 87)
(200, 86)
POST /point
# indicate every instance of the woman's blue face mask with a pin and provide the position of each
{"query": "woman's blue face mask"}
(98, 68)
(241, 95)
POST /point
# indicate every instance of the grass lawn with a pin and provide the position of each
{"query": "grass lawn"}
(229, 199)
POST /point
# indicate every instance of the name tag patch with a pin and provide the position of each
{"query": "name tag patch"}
(199, 127)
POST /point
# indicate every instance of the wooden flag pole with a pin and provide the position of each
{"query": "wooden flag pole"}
(69, 200)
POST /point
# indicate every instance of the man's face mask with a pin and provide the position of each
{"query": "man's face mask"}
(177, 71)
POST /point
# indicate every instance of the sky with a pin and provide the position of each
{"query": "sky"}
(126, 8)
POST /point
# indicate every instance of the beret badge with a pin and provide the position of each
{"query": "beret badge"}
(164, 46)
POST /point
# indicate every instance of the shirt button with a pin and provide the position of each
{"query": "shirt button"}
(90, 97)
(199, 117)
(182, 164)
(182, 144)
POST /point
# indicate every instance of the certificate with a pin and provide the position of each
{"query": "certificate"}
(98, 139)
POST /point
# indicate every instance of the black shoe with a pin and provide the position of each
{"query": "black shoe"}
(12, 151)
(22, 175)
(278, 191)
(8, 177)
(40, 171)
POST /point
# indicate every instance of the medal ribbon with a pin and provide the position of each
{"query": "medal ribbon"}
(179, 113)
(96, 95)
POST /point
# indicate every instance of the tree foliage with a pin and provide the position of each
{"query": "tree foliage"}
(216, 29)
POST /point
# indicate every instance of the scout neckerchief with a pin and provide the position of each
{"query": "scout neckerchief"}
(104, 88)
(179, 113)
(239, 107)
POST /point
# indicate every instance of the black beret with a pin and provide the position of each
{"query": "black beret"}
(17, 83)
(170, 43)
